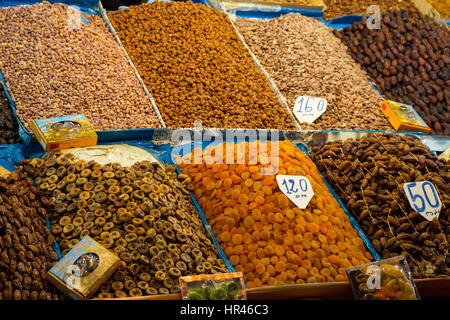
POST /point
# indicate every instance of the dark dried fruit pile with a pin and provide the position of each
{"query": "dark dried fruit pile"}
(26, 252)
(9, 130)
(368, 175)
(196, 67)
(143, 214)
(409, 61)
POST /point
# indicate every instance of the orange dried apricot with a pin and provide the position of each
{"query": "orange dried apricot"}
(264, 233)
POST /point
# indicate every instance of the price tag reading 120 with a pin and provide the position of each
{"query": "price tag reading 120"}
(423, 198)
(297, 188)
(308, 109)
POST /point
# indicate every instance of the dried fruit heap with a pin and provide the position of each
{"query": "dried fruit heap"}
(55, 65)
(195, 66)
(368, 175)
(9, 130)
(263, 233)
(142, 213)
(305, 59)
(26, 252)
(409, 61)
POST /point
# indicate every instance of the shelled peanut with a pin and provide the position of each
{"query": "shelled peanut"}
(368, 174)
(58, 61)
(196, 67)
(261, 231)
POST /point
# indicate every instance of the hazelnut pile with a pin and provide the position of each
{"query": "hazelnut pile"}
(56, 64)
(196, 67)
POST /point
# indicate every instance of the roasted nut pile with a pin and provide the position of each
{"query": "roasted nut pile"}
(338, 8)
(9, 130)
(262, 232)
(142, 213)
(409, 61)
(56, 65)
(305, 59)
(26, 252)
(368, 175)
(196, 67)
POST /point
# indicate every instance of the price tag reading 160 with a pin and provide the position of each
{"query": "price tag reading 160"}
(297, 188)
(423, 198)
(308, 109)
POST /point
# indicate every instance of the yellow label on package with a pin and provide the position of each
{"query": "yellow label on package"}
(84, 269)
(403, 117)
(66, 132)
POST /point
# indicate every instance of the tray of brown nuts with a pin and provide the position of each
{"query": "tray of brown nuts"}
(61, 61)
(143, 213)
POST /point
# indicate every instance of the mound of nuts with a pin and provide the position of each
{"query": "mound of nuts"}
(196, 67)
(304, 58)
(263, 233)
(9, 130)
(58, 61)
(26, 252)
(339, 8)
(409, 61)
(368, 175)
(142, 213)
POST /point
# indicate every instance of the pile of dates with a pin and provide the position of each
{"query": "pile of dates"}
(9, 131)
(141, 213)
(26, 252)
(368, 175)
(409, 61)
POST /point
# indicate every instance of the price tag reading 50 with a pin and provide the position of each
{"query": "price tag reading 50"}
(297, 188)
(308, 109)
(423, 198)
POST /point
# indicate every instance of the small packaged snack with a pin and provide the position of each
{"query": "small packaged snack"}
(84, 269)
(219, 286)
(388, 279)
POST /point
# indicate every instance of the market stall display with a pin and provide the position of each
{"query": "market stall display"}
(442, 6)
(9, 130)
(58, 61)
(305, 59)
(408, 59)
(26, 252)
(368, 175)
(338, 8)
(142, 213)
(263, 233)
(196, 67)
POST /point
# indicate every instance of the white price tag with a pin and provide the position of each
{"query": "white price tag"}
(308, 109)
(423, 198)
(297, 188)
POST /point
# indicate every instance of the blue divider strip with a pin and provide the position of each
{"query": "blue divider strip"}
(354, 223)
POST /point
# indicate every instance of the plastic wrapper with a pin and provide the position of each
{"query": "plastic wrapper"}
(388, 279)
(220, 286)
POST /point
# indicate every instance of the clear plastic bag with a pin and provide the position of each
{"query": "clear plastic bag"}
(388, 279)
(220, 286)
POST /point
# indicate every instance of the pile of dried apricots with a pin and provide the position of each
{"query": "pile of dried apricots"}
(261, 231)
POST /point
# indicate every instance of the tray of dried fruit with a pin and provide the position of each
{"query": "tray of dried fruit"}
(80, 68)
